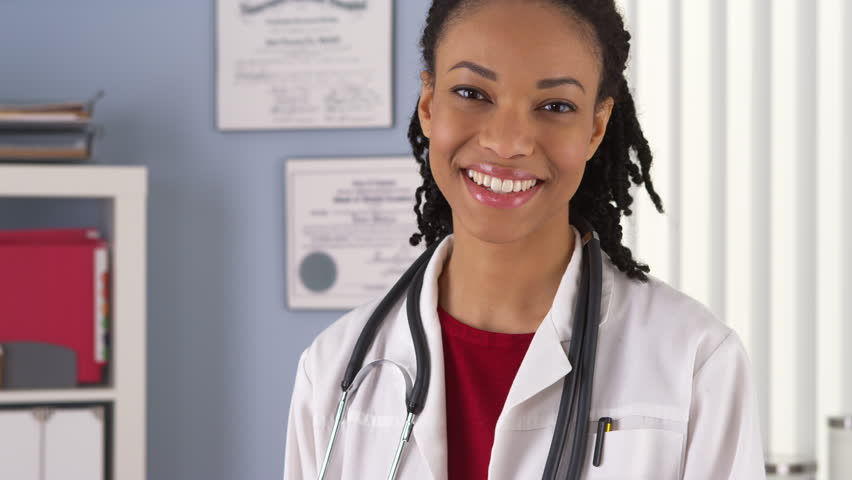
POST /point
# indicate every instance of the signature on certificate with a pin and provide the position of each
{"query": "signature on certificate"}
(401, 255)
(250, 9)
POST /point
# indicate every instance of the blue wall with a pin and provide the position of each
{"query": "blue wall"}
(222, 346)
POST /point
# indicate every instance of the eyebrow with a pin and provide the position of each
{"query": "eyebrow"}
(555, 82)
(541, 84)
(477, 69)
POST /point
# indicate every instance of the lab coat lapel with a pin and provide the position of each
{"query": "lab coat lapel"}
(546, 361)
(430, 429)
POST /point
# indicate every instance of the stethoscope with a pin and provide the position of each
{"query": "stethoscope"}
(575, 402)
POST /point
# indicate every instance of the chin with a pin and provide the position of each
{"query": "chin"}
(494, 232)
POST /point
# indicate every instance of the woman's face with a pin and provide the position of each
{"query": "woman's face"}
(512, 103)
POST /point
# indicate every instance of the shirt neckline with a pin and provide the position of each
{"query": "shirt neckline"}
(450, 326)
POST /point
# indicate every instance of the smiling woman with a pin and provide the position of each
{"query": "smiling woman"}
(529, 332)
(557, 70)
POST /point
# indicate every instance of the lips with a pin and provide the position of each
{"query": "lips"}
(500, 199)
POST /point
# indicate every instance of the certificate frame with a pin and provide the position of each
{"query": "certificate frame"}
(387, 60)
(326, 232)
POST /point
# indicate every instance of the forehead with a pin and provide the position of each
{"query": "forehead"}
(520, 39)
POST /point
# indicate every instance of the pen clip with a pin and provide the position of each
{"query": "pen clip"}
(604, 425)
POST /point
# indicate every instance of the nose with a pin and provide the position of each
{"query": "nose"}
(508, 133)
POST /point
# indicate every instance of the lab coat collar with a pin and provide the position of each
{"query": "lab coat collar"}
(561, 313)
(545, 363)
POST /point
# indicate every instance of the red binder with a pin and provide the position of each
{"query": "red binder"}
(53, 288)
(55, 235)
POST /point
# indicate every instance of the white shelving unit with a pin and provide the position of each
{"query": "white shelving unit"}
(127, 187)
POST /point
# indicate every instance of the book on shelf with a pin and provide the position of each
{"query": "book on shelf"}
(45, 113)
(79, 109)
(32, 145)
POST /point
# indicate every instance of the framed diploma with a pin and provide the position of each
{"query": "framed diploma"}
(304, 64)
(348, 225)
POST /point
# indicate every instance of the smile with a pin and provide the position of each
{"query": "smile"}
(500, 185)
(497, 191)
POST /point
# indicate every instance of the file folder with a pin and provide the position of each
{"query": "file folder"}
(57, 292)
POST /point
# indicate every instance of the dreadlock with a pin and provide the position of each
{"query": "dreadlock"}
(604, 193)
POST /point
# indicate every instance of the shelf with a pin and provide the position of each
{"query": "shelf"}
(88, 181)
(8, 397)
(127, 188)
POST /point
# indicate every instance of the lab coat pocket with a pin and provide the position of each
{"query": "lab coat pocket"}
(650, 450)
(370, 444)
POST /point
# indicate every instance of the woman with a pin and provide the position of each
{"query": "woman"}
(525, 123)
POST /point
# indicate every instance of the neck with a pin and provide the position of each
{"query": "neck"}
(506, 287)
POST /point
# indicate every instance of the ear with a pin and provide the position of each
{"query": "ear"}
(424, 107)
(600, 122)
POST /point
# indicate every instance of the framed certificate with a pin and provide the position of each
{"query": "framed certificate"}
(296, 64)
(348, 225)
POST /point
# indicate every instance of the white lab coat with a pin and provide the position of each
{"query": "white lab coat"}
(676, 381)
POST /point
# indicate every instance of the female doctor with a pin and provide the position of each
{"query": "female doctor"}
(525, 125)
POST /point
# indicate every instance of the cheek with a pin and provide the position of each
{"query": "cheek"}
(449, 133)
(449, 128)
(568, 157)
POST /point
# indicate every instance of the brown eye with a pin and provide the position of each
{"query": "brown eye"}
(559, 107)
(469, 93)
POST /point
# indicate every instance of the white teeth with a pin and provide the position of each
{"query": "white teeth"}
(500, 185)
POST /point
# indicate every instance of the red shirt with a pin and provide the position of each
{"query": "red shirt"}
(479, 368)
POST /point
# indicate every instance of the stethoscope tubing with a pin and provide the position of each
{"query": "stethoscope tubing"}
(577, 385)
(415, 399)
(371, 328)
(587, 368)
(569, 384)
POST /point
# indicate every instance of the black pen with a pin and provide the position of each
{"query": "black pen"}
(604, 425)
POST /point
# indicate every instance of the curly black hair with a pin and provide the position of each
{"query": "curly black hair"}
(604, 193)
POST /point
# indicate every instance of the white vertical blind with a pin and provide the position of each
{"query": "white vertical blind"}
(829, 241)
(739, 213)
(696, 264)
(628, 12)
(784, 354)
(845, 216)
(806, 227)
(745, 105)
(653, 69)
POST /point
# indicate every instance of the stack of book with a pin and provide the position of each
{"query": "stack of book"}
(33, 131)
